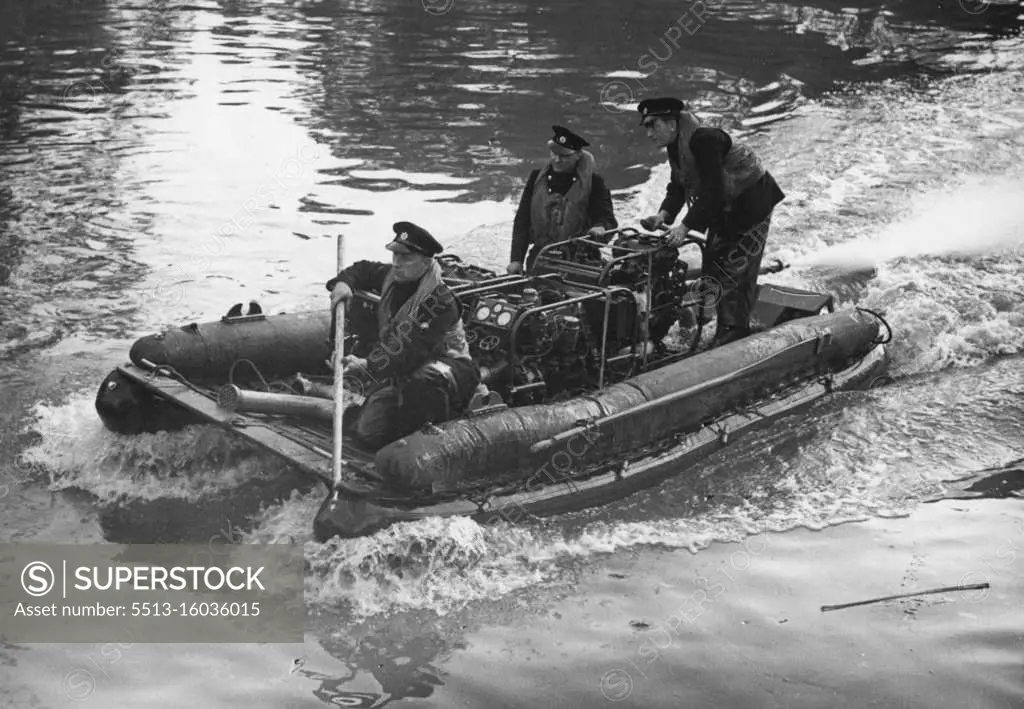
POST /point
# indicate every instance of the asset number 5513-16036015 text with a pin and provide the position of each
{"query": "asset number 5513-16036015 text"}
(212, 610)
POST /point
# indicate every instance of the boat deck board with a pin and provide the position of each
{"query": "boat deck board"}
(309, 446)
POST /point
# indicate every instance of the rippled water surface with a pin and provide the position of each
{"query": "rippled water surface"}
(160, 161)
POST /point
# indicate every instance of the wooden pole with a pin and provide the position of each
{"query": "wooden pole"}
(339, 390)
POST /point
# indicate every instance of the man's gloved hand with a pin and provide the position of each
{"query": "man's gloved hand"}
(676, 235)
(652, 223)
(353, 362)
(514, 268)
(596, 231)
(341, 291)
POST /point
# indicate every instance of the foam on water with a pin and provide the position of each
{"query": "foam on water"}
(953, 295)
(78, 452)
(938, 323)
(436, 564)
(982, 217)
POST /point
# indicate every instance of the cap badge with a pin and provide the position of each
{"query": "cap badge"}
(561, 139)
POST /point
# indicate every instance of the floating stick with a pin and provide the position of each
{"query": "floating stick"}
(944, 589)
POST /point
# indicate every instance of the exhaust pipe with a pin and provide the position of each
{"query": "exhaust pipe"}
(232, 398)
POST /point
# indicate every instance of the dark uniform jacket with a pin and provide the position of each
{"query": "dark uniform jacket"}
(712, 208)
(426, 336)
(600, 212)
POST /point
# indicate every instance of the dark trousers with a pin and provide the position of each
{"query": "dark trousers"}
(729, 278)
(436, 392)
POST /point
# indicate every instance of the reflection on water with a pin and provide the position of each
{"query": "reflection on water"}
(1004, 482)
(399, 652)
(133, 134)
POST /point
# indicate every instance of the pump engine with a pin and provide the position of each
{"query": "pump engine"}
(540, 335)
(657, 277)
(528, 343)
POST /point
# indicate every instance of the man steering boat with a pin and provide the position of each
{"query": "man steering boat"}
(728, 193)
(419, 369)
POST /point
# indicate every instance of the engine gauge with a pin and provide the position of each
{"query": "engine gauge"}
(483, 312)
(504, 319)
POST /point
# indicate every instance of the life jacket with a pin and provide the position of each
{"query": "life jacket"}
(555, 217)
(392, 335)
(741, 165)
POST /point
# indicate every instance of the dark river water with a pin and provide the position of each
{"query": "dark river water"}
(160, 161)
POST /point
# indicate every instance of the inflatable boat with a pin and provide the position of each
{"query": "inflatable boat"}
(597, 381)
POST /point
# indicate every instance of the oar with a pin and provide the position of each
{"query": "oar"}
(339, 389)
(326, 523)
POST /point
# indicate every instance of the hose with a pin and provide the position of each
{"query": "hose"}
(882, 320)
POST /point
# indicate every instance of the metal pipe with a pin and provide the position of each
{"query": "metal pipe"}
(366, 295)
(582, 238)
(308, 387)
(233, 398)
(649, 291)
(604, 338)
(471, 286)
(492, 286)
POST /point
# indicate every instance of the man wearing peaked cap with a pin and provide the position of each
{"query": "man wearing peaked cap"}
(565, 142)
(660, 108)
(728, 194)
(565, 198)
(416, 363)
(409, 237)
